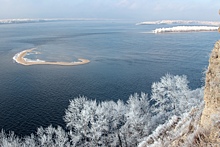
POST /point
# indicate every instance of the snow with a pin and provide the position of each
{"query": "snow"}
(213, 23)
(27, 20)
(30, 60)
(185, 29)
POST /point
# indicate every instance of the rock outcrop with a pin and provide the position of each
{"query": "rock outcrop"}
(200, 127)
(210, 119)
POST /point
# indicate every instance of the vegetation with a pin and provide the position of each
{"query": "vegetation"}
(123, 124)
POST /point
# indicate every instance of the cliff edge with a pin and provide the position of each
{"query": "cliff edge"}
(201, 126)
(210, 119)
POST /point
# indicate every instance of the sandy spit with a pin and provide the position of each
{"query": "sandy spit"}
(19, 58)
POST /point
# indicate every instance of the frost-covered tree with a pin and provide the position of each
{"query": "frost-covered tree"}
(137, 119)
(109, 123)
(172, 94)
(9, 140)
(111, 116)
(94, 124)
(78, 118)
(50, 136)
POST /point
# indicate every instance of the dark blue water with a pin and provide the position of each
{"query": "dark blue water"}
(124, 60)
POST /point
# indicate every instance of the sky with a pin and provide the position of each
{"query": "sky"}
(142, 10)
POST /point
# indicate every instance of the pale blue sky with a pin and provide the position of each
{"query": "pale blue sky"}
(112, 9)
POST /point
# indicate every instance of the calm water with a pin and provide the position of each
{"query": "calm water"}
(124, 60)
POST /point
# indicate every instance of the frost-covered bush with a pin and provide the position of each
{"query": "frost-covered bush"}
(178, 128)
(109, 123)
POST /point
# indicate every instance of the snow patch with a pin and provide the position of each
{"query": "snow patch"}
(213, 23)
(30, 60)
(185, 29)
(27, 20)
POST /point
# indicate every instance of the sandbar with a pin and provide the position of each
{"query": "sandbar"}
(20, 58)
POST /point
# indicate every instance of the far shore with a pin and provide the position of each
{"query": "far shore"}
(19, 58)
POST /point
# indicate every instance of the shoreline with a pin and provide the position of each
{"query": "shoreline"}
(20, 58)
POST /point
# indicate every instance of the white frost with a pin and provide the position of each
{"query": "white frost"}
(27, 20)
(30, 60)
(214, 23)
(185, 29)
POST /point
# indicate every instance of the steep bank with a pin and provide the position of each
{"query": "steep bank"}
(210, 119)
(201, 126)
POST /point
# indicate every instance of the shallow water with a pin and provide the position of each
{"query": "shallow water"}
(124, 60)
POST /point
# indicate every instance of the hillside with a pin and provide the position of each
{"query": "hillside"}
(210, 119)
(200, 127)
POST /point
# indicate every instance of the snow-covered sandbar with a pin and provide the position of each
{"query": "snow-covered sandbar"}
(20, 58)
(186, 29)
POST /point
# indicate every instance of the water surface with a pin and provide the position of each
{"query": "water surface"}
(124, 60)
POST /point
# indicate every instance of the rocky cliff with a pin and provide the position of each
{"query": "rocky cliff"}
(200, 127)
(210, 119)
